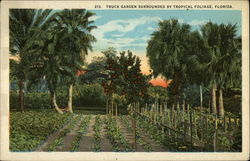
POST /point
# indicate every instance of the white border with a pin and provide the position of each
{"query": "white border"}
(4, 99)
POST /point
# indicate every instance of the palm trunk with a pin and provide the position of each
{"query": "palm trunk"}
(220, 103)
(213, 99)
(70, 98)
(21, 95)
(53, 94)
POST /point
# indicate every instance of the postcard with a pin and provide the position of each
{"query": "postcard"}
(124, 80)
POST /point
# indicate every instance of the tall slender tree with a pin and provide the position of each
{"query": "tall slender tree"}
(77, 40)
(224, 64)
(167, 51)
(23, 24)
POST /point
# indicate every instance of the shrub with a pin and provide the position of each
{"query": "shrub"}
(91, 95)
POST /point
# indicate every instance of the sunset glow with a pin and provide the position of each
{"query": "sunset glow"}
(160, 82)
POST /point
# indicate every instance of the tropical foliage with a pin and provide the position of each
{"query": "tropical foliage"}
(58, 51)
(23, 28)
(184, 56)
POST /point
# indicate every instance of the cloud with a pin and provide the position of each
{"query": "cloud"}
(117, 35)
(181, 20)
(127, 25)
(122, 26)
(197, 22)
(93, 18)
(150, 29)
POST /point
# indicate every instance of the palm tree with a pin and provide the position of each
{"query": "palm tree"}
(167, 51)
(59, 52)
(223, 48)
(23, 23)
(229, 62)
(45, 60)
(77, 40)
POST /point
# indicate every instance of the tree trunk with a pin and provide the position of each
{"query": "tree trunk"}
(213, 99)
(70, 98)
(53, 94)
(220, 103)
(21, 95)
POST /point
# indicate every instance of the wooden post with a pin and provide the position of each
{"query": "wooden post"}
(165, 109)
(201, 98)
(134, 126)
(155, 112)
(175, 115)
(229, 123)
(183, 105)
(171, 115)
(178, 106)
(174, 119)
(107, 107)
(235, 122)
(116, 112)
(191, 130)
(215, 134)
(206, 131)
(169, 119)
(160, 110)
(203, 129)
(209, 108)
(151, 111)
(185, 130)
(112, 108)
(116, 118)
(225, 123)
(138, 107)
(195, 128)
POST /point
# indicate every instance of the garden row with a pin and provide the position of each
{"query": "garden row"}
(28, 130)
(48, 131)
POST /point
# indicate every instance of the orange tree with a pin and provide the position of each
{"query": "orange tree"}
(125, 77)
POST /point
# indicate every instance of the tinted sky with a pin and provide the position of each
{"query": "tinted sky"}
(131, 29)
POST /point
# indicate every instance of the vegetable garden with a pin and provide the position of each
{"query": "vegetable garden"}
(147, 129)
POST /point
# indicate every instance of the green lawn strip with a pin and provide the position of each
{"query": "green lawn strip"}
(140, 140)
(63, 133)
(118, 141)
(82, 130)
(97, 137)
(30, 129)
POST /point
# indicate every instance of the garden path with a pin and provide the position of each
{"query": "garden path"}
(145, 137)
(87, 141)
(53, 137)
(68, 139)
(128, 134)
(106, 146)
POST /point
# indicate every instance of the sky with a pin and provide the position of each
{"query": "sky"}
(131, 29)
